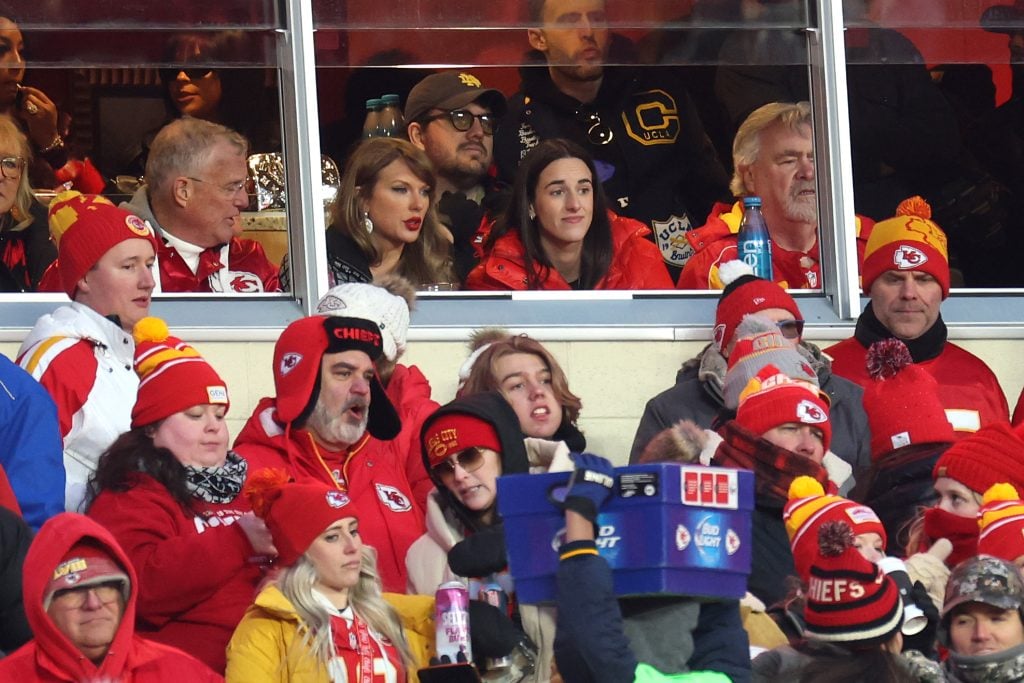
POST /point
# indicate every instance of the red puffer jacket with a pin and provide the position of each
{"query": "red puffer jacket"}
(636, 263)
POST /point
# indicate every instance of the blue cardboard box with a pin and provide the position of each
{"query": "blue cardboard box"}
(668, 529)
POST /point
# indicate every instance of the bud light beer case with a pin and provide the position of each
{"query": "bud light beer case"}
(667, 529)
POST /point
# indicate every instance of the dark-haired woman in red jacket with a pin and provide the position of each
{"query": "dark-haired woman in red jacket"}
(559, 234)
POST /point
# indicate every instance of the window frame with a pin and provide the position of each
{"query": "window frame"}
(585, 316)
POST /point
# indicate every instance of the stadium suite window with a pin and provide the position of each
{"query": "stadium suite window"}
(685, 39)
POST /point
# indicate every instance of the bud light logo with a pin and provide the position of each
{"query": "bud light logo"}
(810, 413)
(707, 536)
(908, 258)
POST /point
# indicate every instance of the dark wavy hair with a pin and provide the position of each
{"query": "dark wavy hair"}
(134, 454)
(597, 244)
(838, 664)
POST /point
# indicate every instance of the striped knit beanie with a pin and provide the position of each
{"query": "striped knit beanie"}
(809, 507)
(172, 375)
(1001, 520)
(849, 600)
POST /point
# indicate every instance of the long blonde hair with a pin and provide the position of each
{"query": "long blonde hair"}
(23, 198)
(426, 260)
(296, 583)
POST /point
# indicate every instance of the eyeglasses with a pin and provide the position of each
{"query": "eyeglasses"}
(470, 460)
(11, 167)
(791, 329)
(462, 120)
(75, 598)
(598, 132)
(231, 189)
(196, 74)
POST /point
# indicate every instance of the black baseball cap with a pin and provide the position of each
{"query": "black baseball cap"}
(450, 90)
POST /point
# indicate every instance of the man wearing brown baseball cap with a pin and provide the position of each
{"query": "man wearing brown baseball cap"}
(452, 117)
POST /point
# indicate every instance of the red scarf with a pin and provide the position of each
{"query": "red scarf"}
(774, 468)
(360, 651)
(962, 532)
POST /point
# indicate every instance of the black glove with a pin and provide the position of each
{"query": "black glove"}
(590, 485)
(924, 642)
(492, 632)
(463, 213)
(480, 554)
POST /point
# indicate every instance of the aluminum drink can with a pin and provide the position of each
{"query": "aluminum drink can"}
(451, 619)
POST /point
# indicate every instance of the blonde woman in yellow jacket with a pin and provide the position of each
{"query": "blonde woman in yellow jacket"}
(322, 618)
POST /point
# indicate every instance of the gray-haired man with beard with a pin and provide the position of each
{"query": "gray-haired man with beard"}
(327, 423)
(773, 156)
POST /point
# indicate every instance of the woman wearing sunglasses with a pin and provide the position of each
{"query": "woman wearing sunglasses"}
(384, 220)
(559, 234)
(467, 445)
(25, 246)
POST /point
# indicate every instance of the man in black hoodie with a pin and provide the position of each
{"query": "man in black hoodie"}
(655, 160)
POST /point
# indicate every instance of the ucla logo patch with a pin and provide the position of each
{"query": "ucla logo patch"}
(653, 119)
(670, 236)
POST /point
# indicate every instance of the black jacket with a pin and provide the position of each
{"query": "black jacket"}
(659, 167)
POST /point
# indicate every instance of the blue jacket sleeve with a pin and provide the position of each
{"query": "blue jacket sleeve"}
(589, 643)
(720, 643)
(31, 450)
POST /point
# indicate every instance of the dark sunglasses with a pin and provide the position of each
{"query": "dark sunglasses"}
(196, 74)
(791, 329)
(598, 132)
(462, 120)
(469, 460)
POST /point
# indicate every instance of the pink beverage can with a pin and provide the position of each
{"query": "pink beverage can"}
(451, 619)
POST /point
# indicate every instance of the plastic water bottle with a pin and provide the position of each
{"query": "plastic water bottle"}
(371, 125)
(753, 242)
(392, 123)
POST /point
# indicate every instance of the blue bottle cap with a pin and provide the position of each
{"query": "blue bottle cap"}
(390, 99)
(751, 201)
(374, 104)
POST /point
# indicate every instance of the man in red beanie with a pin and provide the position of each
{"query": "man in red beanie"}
(699, 392)
(906, 275)
(773, 154)
(82, 353)
(195, 190)
(80, 593)
(328, 421)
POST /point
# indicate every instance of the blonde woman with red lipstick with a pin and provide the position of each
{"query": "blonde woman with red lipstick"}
(385, 222)
(558, 233)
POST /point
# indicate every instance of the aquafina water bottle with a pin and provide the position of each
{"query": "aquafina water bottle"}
(753, 242)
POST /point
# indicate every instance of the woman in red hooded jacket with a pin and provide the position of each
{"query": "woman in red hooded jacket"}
(559, 234)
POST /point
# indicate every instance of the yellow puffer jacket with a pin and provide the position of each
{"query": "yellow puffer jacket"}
(266, 648)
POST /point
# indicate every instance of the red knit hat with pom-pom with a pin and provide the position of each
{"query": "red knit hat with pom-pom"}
(295, 513)
(809, 507)
(902, 401)
(910, 241)
(849, 600)
(1001, 520)
(172, 375)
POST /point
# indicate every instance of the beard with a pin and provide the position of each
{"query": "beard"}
(802, 208)
(339, 428)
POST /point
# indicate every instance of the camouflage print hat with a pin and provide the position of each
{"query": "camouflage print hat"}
(985, 579)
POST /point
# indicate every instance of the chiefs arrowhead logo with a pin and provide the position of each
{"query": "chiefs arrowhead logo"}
(288, 363)
(908, 257)
(809, 413)
(245, 283)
